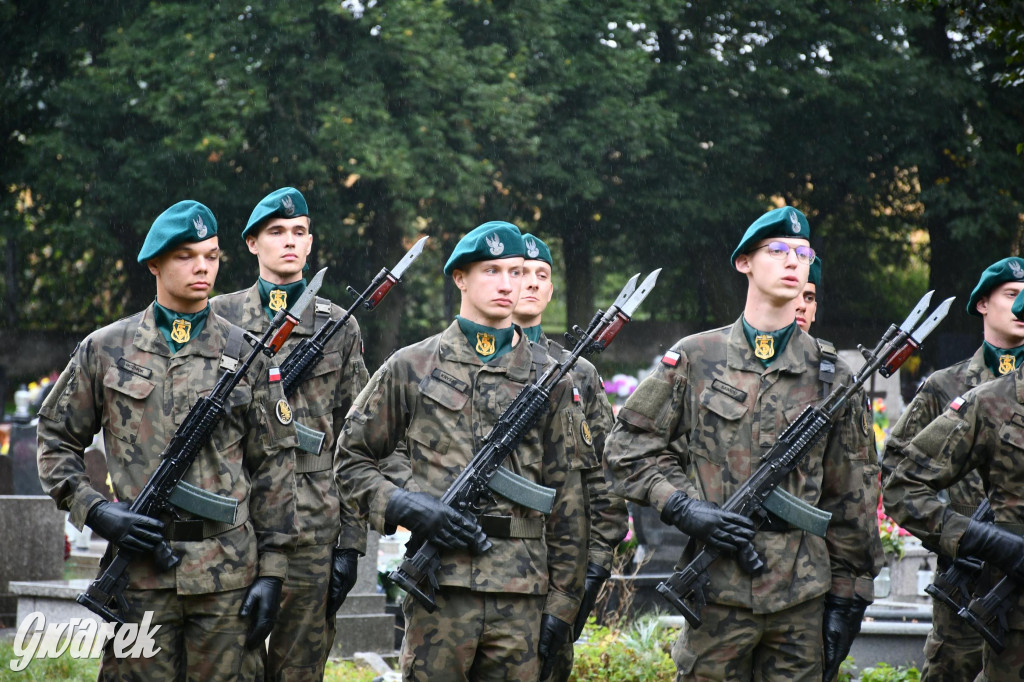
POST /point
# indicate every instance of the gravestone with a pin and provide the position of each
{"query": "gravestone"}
(32, 538)
(362, 622)
(25, 473)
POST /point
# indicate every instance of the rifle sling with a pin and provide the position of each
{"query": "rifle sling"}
(797, 512)
(512, 526)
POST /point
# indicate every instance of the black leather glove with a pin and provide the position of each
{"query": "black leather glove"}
(706, 521)
(261, 604)
(990, 542)
(839, 626)
(554, 632)
(343, 576)
(596, 577)
(432, 520)
(127, 530)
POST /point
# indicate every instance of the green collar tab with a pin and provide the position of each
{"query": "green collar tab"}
(278, 296)
(488, 343)
(1002, 360)
(533, 333)
(179, 328)
(768, 345)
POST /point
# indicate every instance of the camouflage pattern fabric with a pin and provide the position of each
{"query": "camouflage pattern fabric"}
(737, 644)
(701, 424)
(983, 430)
(609, 519)
(478, 644)
(438, 399)
(953, 648)
(302, 639)
(1008, 665)
(200, 637)
(123, 379)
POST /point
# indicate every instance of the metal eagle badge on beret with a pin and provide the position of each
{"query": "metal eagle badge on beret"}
(278, 300)
(794, 223)
(181, 331)
(531, 248)
(485, 343)
(764, 346)
(494, 245)
(283, 411)
(588, 437)
(288, 206)
(201, 229)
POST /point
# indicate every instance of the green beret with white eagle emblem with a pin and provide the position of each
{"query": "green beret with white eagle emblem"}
(536, 249)
(491, 241)
(286, 202)
(185, 221)
(781, 222)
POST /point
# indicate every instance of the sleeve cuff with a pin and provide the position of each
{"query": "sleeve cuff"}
(274, 565)
(353, 537)
(561, 606)
(602, 557)
(953, 528)
(660, 494)
(84, 499)
(848, 587)
(379, 503)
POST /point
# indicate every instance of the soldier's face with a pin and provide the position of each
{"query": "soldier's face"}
(775, 281)
(490, 290)
(536, 293)
(806, 306)
(1002, 328)
(282, 246)
(185, 275)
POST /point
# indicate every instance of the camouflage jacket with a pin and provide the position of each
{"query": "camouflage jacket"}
(609, 519)
(124, 379)
(321, 401)
(983, 430)
(932, 398)
(701, 424)
(440, 400)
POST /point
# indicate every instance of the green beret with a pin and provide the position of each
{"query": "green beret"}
(781, 222)
(1007, 270)
(286, 202)
(815, 275)
(186, 221)
(536, 249)
(491, 241)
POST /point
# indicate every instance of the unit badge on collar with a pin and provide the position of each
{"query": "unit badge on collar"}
(284, 412)
(764, 346)
(181, 331)
(278, 300)
(588, 438)
(494, 245)
(1005, 364)
(484, 343)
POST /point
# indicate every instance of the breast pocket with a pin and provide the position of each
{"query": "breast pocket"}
(719, 421)
(431, 434)
(126, 396)
(320, 386)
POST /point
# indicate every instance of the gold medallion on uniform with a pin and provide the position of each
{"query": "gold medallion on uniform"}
(484, 343)
(284, 412)
(1005, 364)
(764, 346)
(278, 300)
(181, 331)
(588, 438)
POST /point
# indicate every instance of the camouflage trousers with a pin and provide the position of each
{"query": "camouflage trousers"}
(302, 637)
(1006, 666)
(476, 636)
(736, 644)
(200, 637)
(952, 651)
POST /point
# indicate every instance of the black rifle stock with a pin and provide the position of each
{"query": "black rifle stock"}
(987, 614)
(896, 345)
(307, 354)
(417, 573)
(953, 585)
(105, 596)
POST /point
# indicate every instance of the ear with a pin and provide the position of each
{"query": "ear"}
(742, 263)
(459, 277)
(982, 305)
(153, 269)
(250, 241)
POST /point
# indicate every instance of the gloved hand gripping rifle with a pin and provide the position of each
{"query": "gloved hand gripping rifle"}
(953, 586)
(484, 474)
(761, 493)
(105, 596)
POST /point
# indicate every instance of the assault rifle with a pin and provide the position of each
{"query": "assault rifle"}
(105, 596)
(987, 614)
(761, 492)
(485, 475)
(305, 356)
(953, 586)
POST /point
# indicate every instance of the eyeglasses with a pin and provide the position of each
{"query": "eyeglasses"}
(780, 251)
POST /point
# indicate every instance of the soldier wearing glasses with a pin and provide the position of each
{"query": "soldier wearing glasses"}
(696, 429)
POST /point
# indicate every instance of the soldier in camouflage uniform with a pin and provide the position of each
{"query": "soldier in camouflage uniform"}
(499, 612)
(609, 520)
(953, 648)
(697, 428)
(331, 538)
(137, 379)
(807, 301)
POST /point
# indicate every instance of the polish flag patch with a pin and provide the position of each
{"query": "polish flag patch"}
(957, 403)
(671, 358)
(275, 374)
(576, 395)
